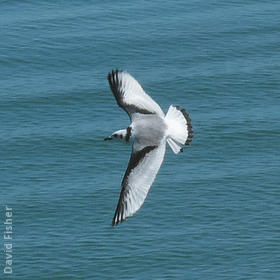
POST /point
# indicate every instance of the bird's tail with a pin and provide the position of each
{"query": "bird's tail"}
(180, 130)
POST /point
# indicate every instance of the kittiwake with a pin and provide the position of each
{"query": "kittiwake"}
(148, 132)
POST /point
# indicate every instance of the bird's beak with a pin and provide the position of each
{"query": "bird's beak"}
(108, 138)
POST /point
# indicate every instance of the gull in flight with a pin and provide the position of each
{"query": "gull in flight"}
(148, 133)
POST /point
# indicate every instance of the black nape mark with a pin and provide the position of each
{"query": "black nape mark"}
(128, 134)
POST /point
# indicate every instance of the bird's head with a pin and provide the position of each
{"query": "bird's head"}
(120, 135)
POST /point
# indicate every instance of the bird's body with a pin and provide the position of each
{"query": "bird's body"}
(148, 132)
(149, 129)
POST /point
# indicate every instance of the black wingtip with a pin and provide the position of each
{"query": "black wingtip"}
(115, 223)
(115, 84)
(113, 73)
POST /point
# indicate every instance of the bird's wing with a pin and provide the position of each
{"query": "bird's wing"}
(141, 172)
(130, 95)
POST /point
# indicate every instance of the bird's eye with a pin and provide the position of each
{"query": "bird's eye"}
(115, 135)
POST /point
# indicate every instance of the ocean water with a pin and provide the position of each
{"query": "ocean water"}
(213, 211)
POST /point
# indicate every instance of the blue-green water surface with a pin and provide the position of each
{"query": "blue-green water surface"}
(213, 211)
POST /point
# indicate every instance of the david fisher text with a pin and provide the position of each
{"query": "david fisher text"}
(8, 238)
